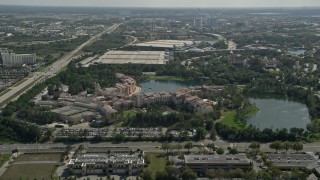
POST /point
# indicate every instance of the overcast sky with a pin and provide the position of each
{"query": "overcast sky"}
(166, 3)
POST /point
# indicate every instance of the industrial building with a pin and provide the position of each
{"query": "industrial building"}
(169, 44)
(202, 163)
(12, 59)
(99, 164)
(133, 57)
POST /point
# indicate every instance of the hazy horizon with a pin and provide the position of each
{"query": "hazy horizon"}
(166, 3)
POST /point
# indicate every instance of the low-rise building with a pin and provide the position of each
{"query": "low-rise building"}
(106, 164)
(289, 161)
(202, 163)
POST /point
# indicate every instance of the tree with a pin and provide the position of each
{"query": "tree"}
(209, 125)
(237, 173)
(179, 146)
(250, 175)
(201, 133)
(166, 146)
(188, 174)
(211, 174)
(264, 175)
(277, 145)
(220, 151)
(287, 145)
(233, 151)
(146, 175)
(254, 145)
(297, 146)
(188, 146)
(211, 146)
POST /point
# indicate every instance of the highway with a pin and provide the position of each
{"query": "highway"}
(16, 91)
(151, 146)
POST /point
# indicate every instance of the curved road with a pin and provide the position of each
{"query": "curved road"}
(18, 90)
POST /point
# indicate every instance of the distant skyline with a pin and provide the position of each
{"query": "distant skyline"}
(166, 3)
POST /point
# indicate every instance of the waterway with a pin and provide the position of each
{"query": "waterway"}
(164, 85)
(279, 114)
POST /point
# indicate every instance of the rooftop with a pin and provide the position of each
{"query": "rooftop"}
(165, 43)
(134, 57)
(217, 159)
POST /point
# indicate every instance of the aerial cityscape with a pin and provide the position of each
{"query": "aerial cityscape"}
(159, 90)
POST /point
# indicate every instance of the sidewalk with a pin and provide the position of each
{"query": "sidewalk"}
(5, 166)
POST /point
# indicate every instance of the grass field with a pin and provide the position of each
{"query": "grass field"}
(4, 158)
(38, 157)
(231, 121)
(29, 171)
(157, 162)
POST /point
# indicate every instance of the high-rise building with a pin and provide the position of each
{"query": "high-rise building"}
(152, 26)
(12, 59)
(198, 23)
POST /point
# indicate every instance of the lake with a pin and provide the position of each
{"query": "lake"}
(164, 85)
(279, 114)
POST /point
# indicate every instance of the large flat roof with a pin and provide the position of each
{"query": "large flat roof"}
(165, 43)
(291, 160)
(134, 57)
(216, 159)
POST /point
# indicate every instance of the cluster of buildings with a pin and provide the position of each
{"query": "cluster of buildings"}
(12, 59)
(107, 102)
(90, 133)
(107, 161)
(237, 59)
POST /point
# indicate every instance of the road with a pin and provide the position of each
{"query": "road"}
(52, 70)
(150, 146)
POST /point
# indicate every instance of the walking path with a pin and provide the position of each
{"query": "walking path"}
(37, 162)
(5, 166)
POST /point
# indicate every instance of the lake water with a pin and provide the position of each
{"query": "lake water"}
(164, 85)
(279, 114)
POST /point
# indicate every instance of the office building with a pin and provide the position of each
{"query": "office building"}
(202, 163)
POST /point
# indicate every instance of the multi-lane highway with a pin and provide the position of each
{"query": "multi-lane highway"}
(149, 146)
(17, 90)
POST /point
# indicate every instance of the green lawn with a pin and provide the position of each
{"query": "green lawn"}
(4, 158)
(253, 110)
(29, 171)
(38, 157)
(231, 121)
(157, 162)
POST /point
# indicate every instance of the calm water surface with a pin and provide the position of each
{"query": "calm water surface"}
(279, 114)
